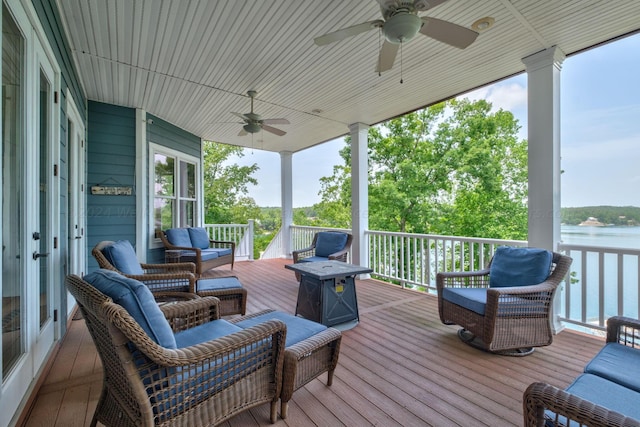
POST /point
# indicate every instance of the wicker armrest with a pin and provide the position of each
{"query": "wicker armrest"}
(183, 315)
(539, 397)
(302, 253)
(463, 279)
(176, 267)
(623, 330)
(340, 255)
(223, 242)
(159, 282)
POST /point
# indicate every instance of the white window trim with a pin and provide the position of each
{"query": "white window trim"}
(179, 156)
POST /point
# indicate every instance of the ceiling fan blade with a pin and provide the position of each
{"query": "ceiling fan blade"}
(347, 32)
(387, 56)
(448, 32)
(273, 130)
(243, 133)
(276, 121)
(242, 116)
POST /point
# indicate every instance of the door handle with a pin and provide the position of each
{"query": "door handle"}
(78, 237)
(37, 255)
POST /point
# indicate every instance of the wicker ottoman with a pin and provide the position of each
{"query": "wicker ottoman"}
(229, 290)
(311, 349)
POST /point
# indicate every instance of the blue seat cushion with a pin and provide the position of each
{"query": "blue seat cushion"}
(218, 283)
(123, 257)
(199, 237)
(605, 393)
(298, 329)
(519, 266)
(330, 242)
(314, 259)
(179, 237)
(205, 332)
(205, 255)
(474, 299)
(137, 299)
(617, 363)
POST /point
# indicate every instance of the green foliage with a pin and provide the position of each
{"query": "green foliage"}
(455, 168)
(225, 186)
(616, 215)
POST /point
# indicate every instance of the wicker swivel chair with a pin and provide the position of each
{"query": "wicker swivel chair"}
(179, 378)
(509, 318)
(326, 246)
(166, 281)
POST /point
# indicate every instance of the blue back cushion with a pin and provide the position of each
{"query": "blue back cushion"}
(137, 299)
(519, 266)
(179, 237)
(123, 257)
(330, 242)
(199, 237)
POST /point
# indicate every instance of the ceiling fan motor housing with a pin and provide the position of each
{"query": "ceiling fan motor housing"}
(402, 27)
(252, 127)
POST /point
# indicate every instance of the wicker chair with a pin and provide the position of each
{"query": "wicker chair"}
(547, 405)
(326, 246)
(515, 319)
(172, 277)
(146, 384)
(176, 277)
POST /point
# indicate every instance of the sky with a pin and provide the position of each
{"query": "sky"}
(600, 133)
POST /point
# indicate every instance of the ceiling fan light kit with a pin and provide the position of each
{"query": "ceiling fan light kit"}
(401, 23)
(254, 123)
(402, 27)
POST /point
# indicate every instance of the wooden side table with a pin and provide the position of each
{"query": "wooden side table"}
(172, 255)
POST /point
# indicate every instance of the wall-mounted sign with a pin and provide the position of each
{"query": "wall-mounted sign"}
(111, 190)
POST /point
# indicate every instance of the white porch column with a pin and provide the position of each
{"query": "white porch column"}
(359, 193)
(286, 195)
(543, 71)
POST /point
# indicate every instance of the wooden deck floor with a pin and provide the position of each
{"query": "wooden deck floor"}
(399, 367)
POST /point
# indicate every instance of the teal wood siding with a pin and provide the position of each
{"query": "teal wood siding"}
(49, 17)
(165, 134)
(111, 158)
(168, 135)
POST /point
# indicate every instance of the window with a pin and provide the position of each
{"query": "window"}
(175, 184)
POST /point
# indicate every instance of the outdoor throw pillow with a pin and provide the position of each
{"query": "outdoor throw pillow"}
(519, 266)
(123, 257)
(199, 237)
(330, 242)
(137, 299)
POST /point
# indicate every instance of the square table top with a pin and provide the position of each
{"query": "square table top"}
(327, 269)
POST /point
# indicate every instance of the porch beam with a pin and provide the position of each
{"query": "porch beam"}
(359, 192)
(286, 195)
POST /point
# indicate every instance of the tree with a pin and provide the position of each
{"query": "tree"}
(225, 186)
(454, 168)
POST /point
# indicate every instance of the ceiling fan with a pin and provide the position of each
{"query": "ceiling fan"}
(400, 24)
(254, 123)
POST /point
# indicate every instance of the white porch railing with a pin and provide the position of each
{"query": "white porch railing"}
(241, 234)
(603, 281)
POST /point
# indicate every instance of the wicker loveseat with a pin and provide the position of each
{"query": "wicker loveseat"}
(196, 247)
(606, 394)
(178, 364)
(506, 307)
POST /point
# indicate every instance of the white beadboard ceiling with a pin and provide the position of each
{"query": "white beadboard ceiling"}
(192, 62)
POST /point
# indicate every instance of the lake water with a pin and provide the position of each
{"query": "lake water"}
(615, 237)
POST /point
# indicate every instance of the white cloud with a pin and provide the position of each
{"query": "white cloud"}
(508, 96)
